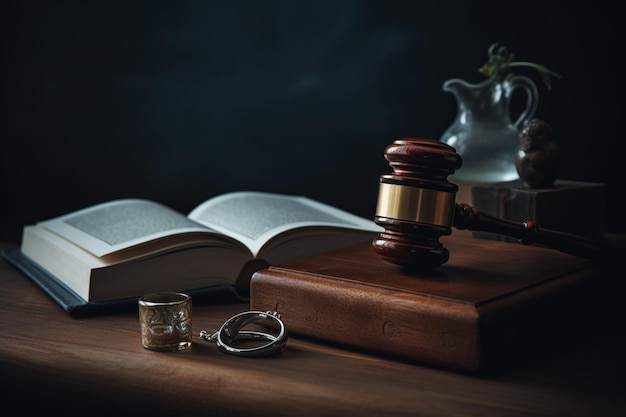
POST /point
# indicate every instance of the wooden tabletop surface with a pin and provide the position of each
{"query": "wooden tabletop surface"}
(51, 362)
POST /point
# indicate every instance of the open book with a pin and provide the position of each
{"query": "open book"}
(126, 248)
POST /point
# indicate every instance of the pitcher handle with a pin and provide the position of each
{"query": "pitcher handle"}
(532, 98)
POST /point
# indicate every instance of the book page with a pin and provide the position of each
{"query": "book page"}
(255, 217)
(113, 226)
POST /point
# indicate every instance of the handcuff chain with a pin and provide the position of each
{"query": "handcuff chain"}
(208, 337)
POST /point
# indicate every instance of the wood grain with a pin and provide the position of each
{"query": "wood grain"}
(51, 362)
(489, 304)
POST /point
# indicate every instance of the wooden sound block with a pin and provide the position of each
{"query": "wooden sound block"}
(493, 303)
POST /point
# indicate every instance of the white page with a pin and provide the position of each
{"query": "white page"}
(113, 226)
(255, 217)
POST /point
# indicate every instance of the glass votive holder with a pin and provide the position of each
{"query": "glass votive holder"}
(165, 319)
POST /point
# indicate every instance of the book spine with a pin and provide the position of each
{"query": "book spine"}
(370, 318)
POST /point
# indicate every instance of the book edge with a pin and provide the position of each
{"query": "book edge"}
(75, 305)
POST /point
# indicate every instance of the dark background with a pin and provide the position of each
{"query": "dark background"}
(181, 101)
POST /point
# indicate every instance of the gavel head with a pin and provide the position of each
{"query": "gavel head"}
(416, 203)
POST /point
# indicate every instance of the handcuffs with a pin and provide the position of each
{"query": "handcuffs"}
(231, 332)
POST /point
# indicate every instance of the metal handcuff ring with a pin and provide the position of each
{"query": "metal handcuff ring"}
(231, 332)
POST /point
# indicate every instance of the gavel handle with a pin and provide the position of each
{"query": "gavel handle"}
(467, 217)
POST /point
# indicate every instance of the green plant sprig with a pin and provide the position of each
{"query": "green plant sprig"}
(500, 62)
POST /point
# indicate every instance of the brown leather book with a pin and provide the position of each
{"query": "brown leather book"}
(491, 304)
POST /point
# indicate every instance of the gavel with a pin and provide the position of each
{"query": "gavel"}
(416, 206)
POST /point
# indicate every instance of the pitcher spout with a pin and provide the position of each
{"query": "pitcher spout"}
(463, 89)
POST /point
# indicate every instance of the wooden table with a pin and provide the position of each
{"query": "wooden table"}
(51, 362)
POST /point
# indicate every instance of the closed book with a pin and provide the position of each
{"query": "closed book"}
(568, 206)
(493, 303)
